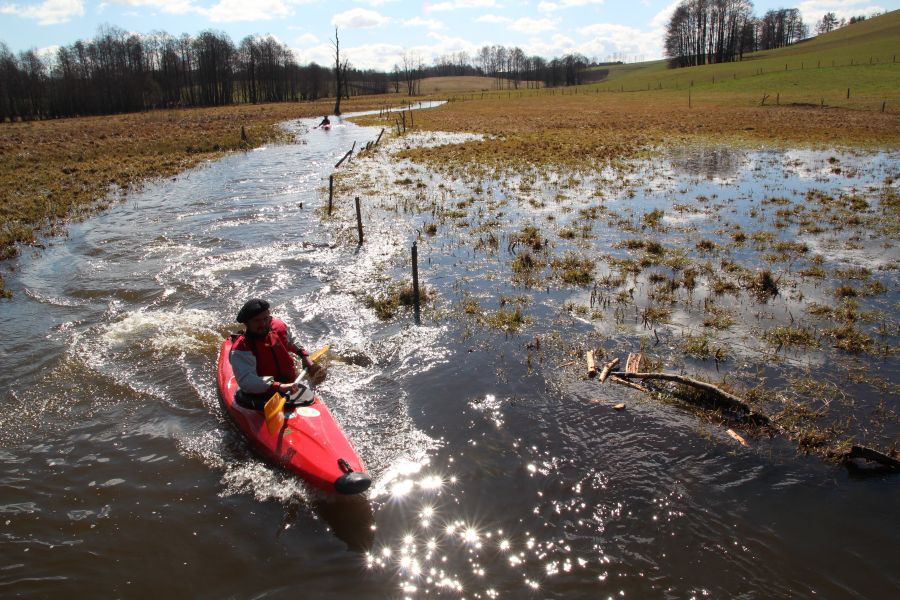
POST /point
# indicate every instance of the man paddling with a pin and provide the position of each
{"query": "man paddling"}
(324, 122)
(261, 356)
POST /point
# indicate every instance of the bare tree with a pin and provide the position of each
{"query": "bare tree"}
(337, 72)
(412, 72)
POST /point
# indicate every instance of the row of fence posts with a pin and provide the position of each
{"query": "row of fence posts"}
(359, 226)
(659, 86)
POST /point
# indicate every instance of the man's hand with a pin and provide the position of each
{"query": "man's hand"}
(288, 388)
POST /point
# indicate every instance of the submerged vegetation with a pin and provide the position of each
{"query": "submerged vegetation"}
(725, 282)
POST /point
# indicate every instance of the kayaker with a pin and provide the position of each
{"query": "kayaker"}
(261, 356)
(325, 121)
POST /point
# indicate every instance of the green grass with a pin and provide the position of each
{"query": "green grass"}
(819, 68)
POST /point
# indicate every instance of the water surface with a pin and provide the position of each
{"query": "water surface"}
(495, 475)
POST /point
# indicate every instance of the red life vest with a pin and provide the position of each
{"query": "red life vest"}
(272, 352)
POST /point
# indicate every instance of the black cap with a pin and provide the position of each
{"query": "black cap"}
(250, 309)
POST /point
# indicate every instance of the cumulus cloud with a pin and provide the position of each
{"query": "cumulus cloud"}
(556, 45)
(813, 10)
(359, 18)
(491, 18)
(561, 4)
(227, 11)
(529, 25)
(306, 39)
(609, 38)
(321, 54)
(661, 19)
(174, 7)
(432, 24)
(49, 12)
(458, 4)
(222, 11)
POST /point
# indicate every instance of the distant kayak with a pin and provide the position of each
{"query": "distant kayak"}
(310, 443)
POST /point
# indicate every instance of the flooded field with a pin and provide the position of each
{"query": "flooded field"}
(500, 469)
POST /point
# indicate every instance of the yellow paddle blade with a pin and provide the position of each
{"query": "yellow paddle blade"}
(274, 415)
(318, 353)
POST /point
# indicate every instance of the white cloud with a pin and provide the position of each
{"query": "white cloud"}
(458, 4)
(174, 7)
(529, 25)
(374, 56)
(385, 56)
(611, 38)
(561, 4)
(48, 54)
(556, 45)
(359, 18)
(813, 10)
(321, 54)
(661, 19)
(374, 3)
(48, 12)
(306, 39)
(226, 11)
(491, 18)
(432, 24)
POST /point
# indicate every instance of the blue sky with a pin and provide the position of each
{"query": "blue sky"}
(376, 33)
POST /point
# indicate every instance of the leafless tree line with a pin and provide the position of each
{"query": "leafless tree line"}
(714, 31)
(121, 72)
(510, 67)
(514, 68)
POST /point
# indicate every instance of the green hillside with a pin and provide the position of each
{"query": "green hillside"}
(861, 57)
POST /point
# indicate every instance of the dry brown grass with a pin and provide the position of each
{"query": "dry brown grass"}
(473, 83)
(584, 130)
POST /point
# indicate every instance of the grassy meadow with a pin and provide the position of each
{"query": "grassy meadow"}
(455, 85)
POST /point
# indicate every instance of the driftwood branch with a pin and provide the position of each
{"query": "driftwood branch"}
(607, 369)
(725, 397)
(635, 386)
(591, 366)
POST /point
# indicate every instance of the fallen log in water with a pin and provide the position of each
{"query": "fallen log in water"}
(591, 366)
(607, 369)
(721, 396)
(890, 463)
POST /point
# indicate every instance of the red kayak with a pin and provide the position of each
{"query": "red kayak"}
(310, 443)
(326, 127)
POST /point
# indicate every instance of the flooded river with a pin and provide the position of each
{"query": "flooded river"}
(498, 469)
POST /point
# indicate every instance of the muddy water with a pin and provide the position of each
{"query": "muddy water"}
(495, 473)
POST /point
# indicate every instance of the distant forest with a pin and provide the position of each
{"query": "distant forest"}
(714, 31)
(121, 72)
(118, 72)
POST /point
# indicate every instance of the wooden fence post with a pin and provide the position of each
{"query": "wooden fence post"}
(359, 227)
(330, 192)
(415, 276)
